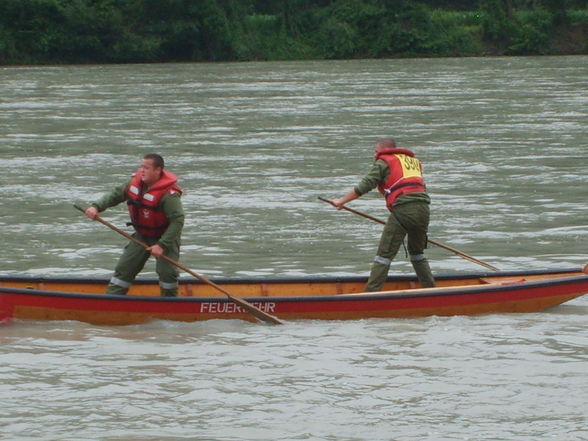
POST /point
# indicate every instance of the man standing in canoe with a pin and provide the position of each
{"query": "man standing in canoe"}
(153, 199)
(399, 177)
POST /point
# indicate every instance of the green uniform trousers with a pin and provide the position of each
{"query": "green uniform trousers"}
(133, 260)
(410, 219)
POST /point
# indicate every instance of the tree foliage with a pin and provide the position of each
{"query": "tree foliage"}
(104, 31)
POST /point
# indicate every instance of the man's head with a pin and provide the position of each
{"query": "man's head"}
(151, 168)
(385, 143)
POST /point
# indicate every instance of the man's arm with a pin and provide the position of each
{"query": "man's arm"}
(378, 173)
(110, 199)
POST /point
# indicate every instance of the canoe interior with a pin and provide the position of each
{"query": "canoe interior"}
(280, 287)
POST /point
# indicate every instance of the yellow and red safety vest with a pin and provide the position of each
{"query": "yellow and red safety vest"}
(406, 174)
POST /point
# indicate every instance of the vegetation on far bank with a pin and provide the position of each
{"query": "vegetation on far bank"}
(127, 31)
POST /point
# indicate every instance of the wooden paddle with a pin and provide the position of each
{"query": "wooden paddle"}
(258, 313)
(440, 245)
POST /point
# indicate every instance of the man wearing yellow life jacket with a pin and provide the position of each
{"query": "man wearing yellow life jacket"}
(155, 208)
(398, 175)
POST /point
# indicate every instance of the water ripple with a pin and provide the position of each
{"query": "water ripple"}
(254, 144)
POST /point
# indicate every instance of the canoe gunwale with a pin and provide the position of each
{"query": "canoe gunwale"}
(291, 279)
(484, 289)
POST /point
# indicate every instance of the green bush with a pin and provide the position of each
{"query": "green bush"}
(531, 36)
(344, 29)
(578, 16)
(497, 25)
(454, 33)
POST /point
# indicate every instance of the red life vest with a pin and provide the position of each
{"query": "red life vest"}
(146, 216)
(406, 174)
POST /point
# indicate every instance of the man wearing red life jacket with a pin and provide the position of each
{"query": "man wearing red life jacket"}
(153, 199)
(398, 176)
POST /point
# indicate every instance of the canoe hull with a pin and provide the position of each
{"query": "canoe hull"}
(513, 296)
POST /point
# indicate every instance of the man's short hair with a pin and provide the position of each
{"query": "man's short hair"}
(157, 159)
(387, 143)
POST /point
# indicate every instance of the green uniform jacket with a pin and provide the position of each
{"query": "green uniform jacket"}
(379, 173)
(171, 205)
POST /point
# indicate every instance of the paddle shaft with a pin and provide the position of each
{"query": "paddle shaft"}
(439, 244)
(258, 313)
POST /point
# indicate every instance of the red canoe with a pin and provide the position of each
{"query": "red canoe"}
(311, 298)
